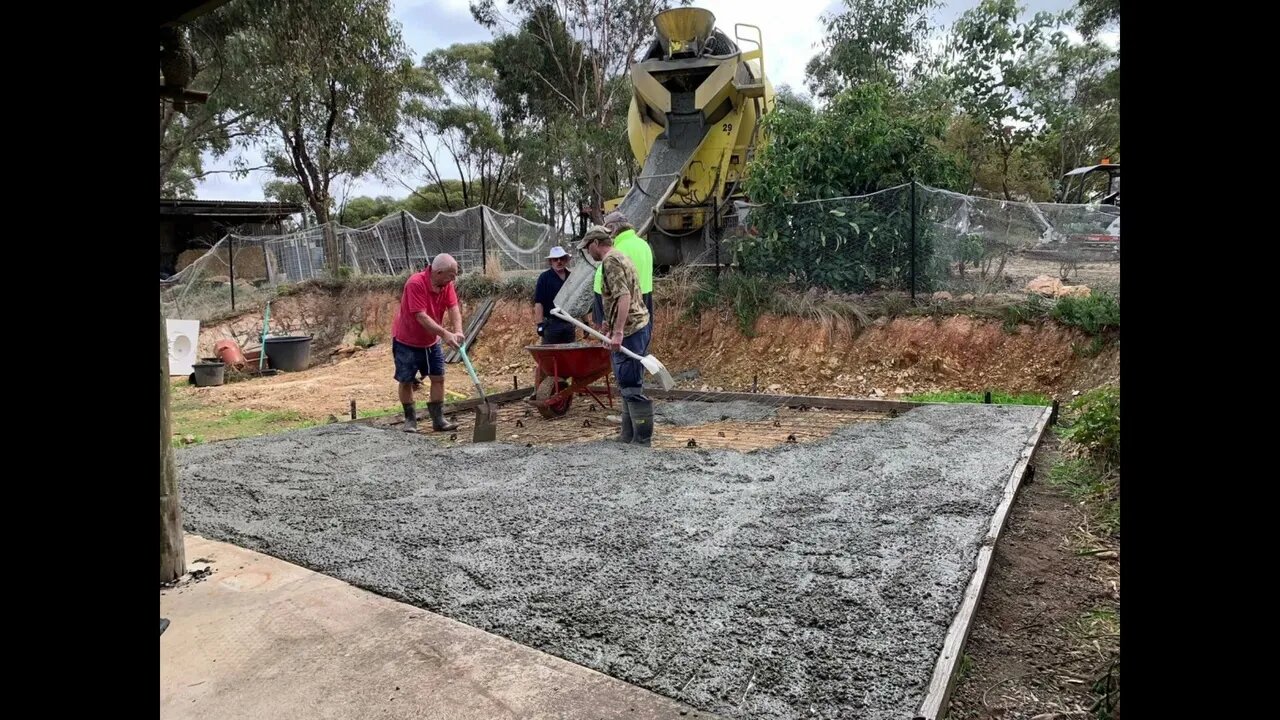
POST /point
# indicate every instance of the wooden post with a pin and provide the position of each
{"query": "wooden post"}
(173, 555)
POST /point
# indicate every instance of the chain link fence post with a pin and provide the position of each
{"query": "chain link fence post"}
(404, 232)
(914, 212)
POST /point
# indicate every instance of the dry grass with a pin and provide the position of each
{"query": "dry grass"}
(830, 309)
(749, 297)
(680, 286)
(493, 266)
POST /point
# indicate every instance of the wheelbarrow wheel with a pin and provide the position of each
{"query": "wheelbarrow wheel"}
(552, 408)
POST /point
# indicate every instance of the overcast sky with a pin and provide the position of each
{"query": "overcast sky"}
(791, 30)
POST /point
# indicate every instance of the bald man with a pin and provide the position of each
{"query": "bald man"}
(429, 314)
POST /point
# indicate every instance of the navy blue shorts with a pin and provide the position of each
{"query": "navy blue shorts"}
(412, 360)
(557, 332)
(628, 372)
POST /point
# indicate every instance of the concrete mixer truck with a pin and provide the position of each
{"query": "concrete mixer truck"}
(694, 125)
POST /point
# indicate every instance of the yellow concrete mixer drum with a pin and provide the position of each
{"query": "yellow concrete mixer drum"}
(693, 124)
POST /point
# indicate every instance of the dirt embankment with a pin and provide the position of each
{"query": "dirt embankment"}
(892, 357)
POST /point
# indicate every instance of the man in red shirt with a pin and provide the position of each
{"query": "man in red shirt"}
(416, 334)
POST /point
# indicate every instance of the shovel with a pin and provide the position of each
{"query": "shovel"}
(486, 429)
(650, 363)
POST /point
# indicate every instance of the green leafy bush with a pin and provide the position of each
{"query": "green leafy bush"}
(1093, 423)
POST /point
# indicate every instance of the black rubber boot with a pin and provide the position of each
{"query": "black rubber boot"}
(627, 432)
(410, 419)
(642, 420)
(438, 423)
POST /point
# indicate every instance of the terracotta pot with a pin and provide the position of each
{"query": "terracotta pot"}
(229, 352)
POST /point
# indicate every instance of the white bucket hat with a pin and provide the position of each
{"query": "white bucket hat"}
(556, 252)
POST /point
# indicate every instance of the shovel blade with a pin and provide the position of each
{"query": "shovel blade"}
(486, 429)
(658, 370)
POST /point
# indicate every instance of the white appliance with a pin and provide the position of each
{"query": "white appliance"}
(184, 341)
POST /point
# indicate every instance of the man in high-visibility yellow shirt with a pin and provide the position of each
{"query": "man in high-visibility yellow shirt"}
(628, 242)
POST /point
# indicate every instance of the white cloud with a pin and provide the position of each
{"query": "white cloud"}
(791, 30)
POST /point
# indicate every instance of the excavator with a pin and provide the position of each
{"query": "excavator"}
(1091, 184)
(694, 125)
(1095, 185)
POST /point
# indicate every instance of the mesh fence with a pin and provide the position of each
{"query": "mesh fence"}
(980, 245)
(911, 238)
(243, 270)
(917, 239)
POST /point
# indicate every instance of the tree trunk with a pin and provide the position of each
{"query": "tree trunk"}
(173, 555)
(332, 248)
(1004, 172)
(597, 190)
(552, 217)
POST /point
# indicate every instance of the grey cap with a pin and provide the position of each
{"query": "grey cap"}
(593, 233)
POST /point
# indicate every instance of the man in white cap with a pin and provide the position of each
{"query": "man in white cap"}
(551, 329)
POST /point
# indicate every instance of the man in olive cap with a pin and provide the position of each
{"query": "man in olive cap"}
(628, 242)
(627, 324)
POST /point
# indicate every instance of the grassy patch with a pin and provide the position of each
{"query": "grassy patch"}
(892, 306)
(1031, 310)
(750, 296)
(475, 286)
(997, 398)
(1106, 689)
(1095, 315)
(821, 309)
(367, 338)
(1099, 629)
(1092, 424)
(379, 412)
(1099, 624)
(1091, 348)
(1084, 480)
(195, 423)
(449, 396)
(1089, 473)
(746, 296)
(357, 283)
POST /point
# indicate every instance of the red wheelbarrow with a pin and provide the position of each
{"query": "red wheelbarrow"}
(570, 369)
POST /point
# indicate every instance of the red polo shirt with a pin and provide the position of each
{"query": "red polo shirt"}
(419, 296)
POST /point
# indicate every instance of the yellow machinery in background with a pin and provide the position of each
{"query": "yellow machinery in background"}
(694, 125)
